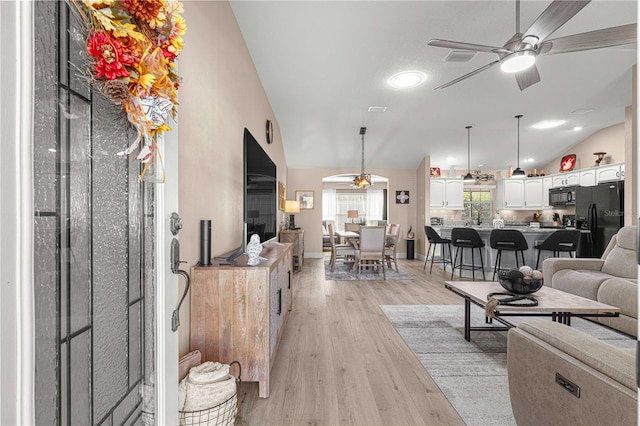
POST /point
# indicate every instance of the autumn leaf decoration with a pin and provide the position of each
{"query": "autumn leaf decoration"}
(133, 45)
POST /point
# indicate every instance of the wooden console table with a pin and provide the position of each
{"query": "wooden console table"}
(296, 238)
(238, 312)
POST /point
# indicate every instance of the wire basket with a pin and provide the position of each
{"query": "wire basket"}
(223, 414)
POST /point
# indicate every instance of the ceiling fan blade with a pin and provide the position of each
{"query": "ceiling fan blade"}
(464, 46)
(553, 17)
(528, 77)
(607, 37)
(471, 74)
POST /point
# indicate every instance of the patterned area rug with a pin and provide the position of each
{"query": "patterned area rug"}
(344, 272)
(472, 375)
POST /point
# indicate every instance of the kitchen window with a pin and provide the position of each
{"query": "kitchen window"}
(478, 203)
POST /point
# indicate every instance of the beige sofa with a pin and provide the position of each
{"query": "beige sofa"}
(611, 279)
(547, 360)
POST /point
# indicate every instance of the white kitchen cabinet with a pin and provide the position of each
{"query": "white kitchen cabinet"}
(566, 179)
(608, 173)
(547, 183)
(447, 194)
(622, 171)
(513, 193)
(588, 177)
(533, 193)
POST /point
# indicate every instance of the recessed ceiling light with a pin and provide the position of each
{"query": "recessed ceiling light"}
(577, 128)
(407, 79)
(480, 165)
(530, 160)
(548, 124)
(451, 159)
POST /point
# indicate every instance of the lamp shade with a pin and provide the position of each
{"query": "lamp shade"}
(292, 206)
(352, 214)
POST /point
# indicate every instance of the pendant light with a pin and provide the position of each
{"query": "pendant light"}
(363, 180)
(468, 176)
(518, 172)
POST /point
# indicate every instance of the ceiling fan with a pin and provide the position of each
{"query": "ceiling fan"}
(519, 53)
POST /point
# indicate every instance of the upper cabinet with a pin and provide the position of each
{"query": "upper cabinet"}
(566, 179)
(588, 177)
(447, 194)
(547, 183)
(609, 173)
(533, 193)
(510, 193)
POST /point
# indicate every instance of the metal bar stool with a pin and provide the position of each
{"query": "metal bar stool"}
(434, 239)
(565, 241)
(462, 238)
(507, 240)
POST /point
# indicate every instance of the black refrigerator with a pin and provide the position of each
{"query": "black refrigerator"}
(599, 209)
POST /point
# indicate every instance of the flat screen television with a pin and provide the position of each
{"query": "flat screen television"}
(260, 191)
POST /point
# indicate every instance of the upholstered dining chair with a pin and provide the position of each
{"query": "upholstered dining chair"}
(343, 252)
(370, 251)
(391, 245)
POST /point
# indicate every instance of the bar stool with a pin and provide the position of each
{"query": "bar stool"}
(565, 241)
(507, 240)
(462, 238)
(434, 239)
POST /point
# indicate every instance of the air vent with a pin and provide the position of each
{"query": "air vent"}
(377, 109)
(582, 111)
(460, 56)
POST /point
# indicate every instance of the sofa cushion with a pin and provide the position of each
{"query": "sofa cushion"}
(580, 282)
(620, 293)
(621, 260)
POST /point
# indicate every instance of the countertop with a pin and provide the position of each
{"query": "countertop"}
(523, 229)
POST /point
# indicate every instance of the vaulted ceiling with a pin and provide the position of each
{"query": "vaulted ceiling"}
(324, 63)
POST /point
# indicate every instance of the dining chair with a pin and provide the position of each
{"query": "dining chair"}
(371, 248)
(353, 227)
(391, 245)
(343, 252)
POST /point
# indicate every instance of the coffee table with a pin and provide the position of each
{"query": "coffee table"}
(559, 305)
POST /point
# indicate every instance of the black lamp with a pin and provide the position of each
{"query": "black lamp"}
(518, 172)
(468, 176)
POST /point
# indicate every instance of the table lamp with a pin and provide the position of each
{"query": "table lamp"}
(352, 214)
(291, 206)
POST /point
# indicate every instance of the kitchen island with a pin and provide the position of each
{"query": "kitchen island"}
(534, 236)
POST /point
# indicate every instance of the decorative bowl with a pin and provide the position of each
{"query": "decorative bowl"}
(518, 285)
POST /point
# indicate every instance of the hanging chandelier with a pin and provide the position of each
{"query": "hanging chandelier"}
(362, 180)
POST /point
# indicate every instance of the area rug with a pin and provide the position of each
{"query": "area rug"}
(344, 272)
(472, 375)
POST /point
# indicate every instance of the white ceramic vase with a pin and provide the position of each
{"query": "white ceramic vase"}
(254, 248)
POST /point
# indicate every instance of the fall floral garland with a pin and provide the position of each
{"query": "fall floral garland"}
(133, 45)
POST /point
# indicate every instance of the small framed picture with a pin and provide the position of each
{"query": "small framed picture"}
(305, 198)
(402, 197)
(282, 195)
(434, 171)
(567, 163)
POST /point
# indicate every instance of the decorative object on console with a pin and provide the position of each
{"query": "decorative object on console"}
(434, 171)
(402, 197)
(600, 156)
(478, 176)
(567, 163)
(410, 234)
(305, 198)
(254, 248)
(352, 214)
(291, 207)
(468, 176)
(518, 172)
(362, 180)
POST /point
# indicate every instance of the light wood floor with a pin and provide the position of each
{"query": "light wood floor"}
(340, 362)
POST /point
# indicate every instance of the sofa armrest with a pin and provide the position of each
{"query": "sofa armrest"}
(547, 360)
(553, 265)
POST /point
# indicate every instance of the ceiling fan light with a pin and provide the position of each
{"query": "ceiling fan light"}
(518, 61)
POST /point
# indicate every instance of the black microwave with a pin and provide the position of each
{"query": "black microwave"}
(563, 196)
